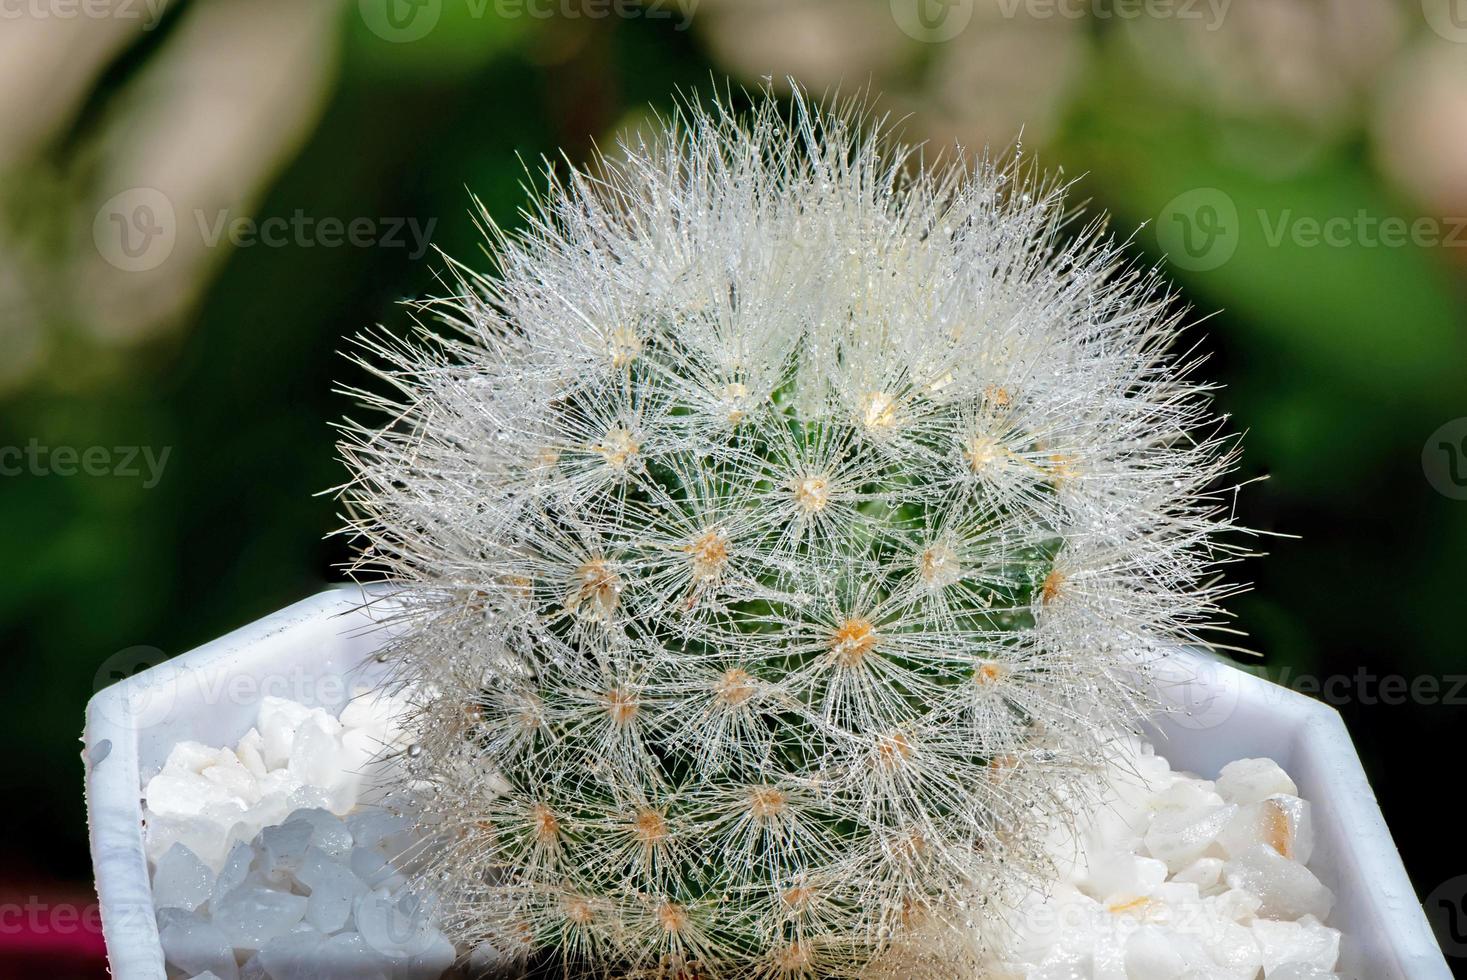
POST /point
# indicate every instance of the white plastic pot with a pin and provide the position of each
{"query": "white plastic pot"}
(315, 650)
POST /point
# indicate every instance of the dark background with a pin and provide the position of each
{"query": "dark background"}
(1274, 148)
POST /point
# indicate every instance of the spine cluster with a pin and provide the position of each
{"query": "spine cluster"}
(783, 528)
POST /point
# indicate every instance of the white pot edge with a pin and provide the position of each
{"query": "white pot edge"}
(1228, 714)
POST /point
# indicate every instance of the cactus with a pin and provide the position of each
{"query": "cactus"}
(783, 529)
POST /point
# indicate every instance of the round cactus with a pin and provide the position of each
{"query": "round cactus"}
(783, 529)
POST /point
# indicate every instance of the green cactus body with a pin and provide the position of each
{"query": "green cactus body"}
(782, 534)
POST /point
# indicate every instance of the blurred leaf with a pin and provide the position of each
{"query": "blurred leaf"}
(1384, 320)
(432, 38)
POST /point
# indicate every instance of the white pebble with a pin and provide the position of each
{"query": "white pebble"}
(197, 946)
(279, 721)
(178, 791)
(1287, 889)
(1235, 905)
(232, 777)
(1121, 878)
(354, 958)
(1180, 836)
(379, 829)
(1233, 948)
(233, 873)
(376, 713)
(1280, 822)
(267, 816)
(181, 881)
(371, 867)
(1305, 943)
(1177, 878)
(281, 850)
(397, 926)
(250, 750)
(334, 890)
(1189, 795)
(1205, 873)
(432, 961)
(342, 957)
(1300, 971)
(328, 832)
(296, 757)
(1253, 780)
(315, 759)
(209, 836)
(1154, 953)
(251, 916)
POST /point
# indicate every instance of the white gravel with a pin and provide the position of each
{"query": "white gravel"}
(265, 868)
(1180, 878)
(294, 758)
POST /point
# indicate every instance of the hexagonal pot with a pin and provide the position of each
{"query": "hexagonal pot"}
(316, 649)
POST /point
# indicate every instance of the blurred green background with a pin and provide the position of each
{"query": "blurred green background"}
(1275, 148)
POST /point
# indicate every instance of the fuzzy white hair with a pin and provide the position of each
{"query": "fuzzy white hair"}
(782, 526)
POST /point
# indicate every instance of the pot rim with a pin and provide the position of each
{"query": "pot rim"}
(1385, 933)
